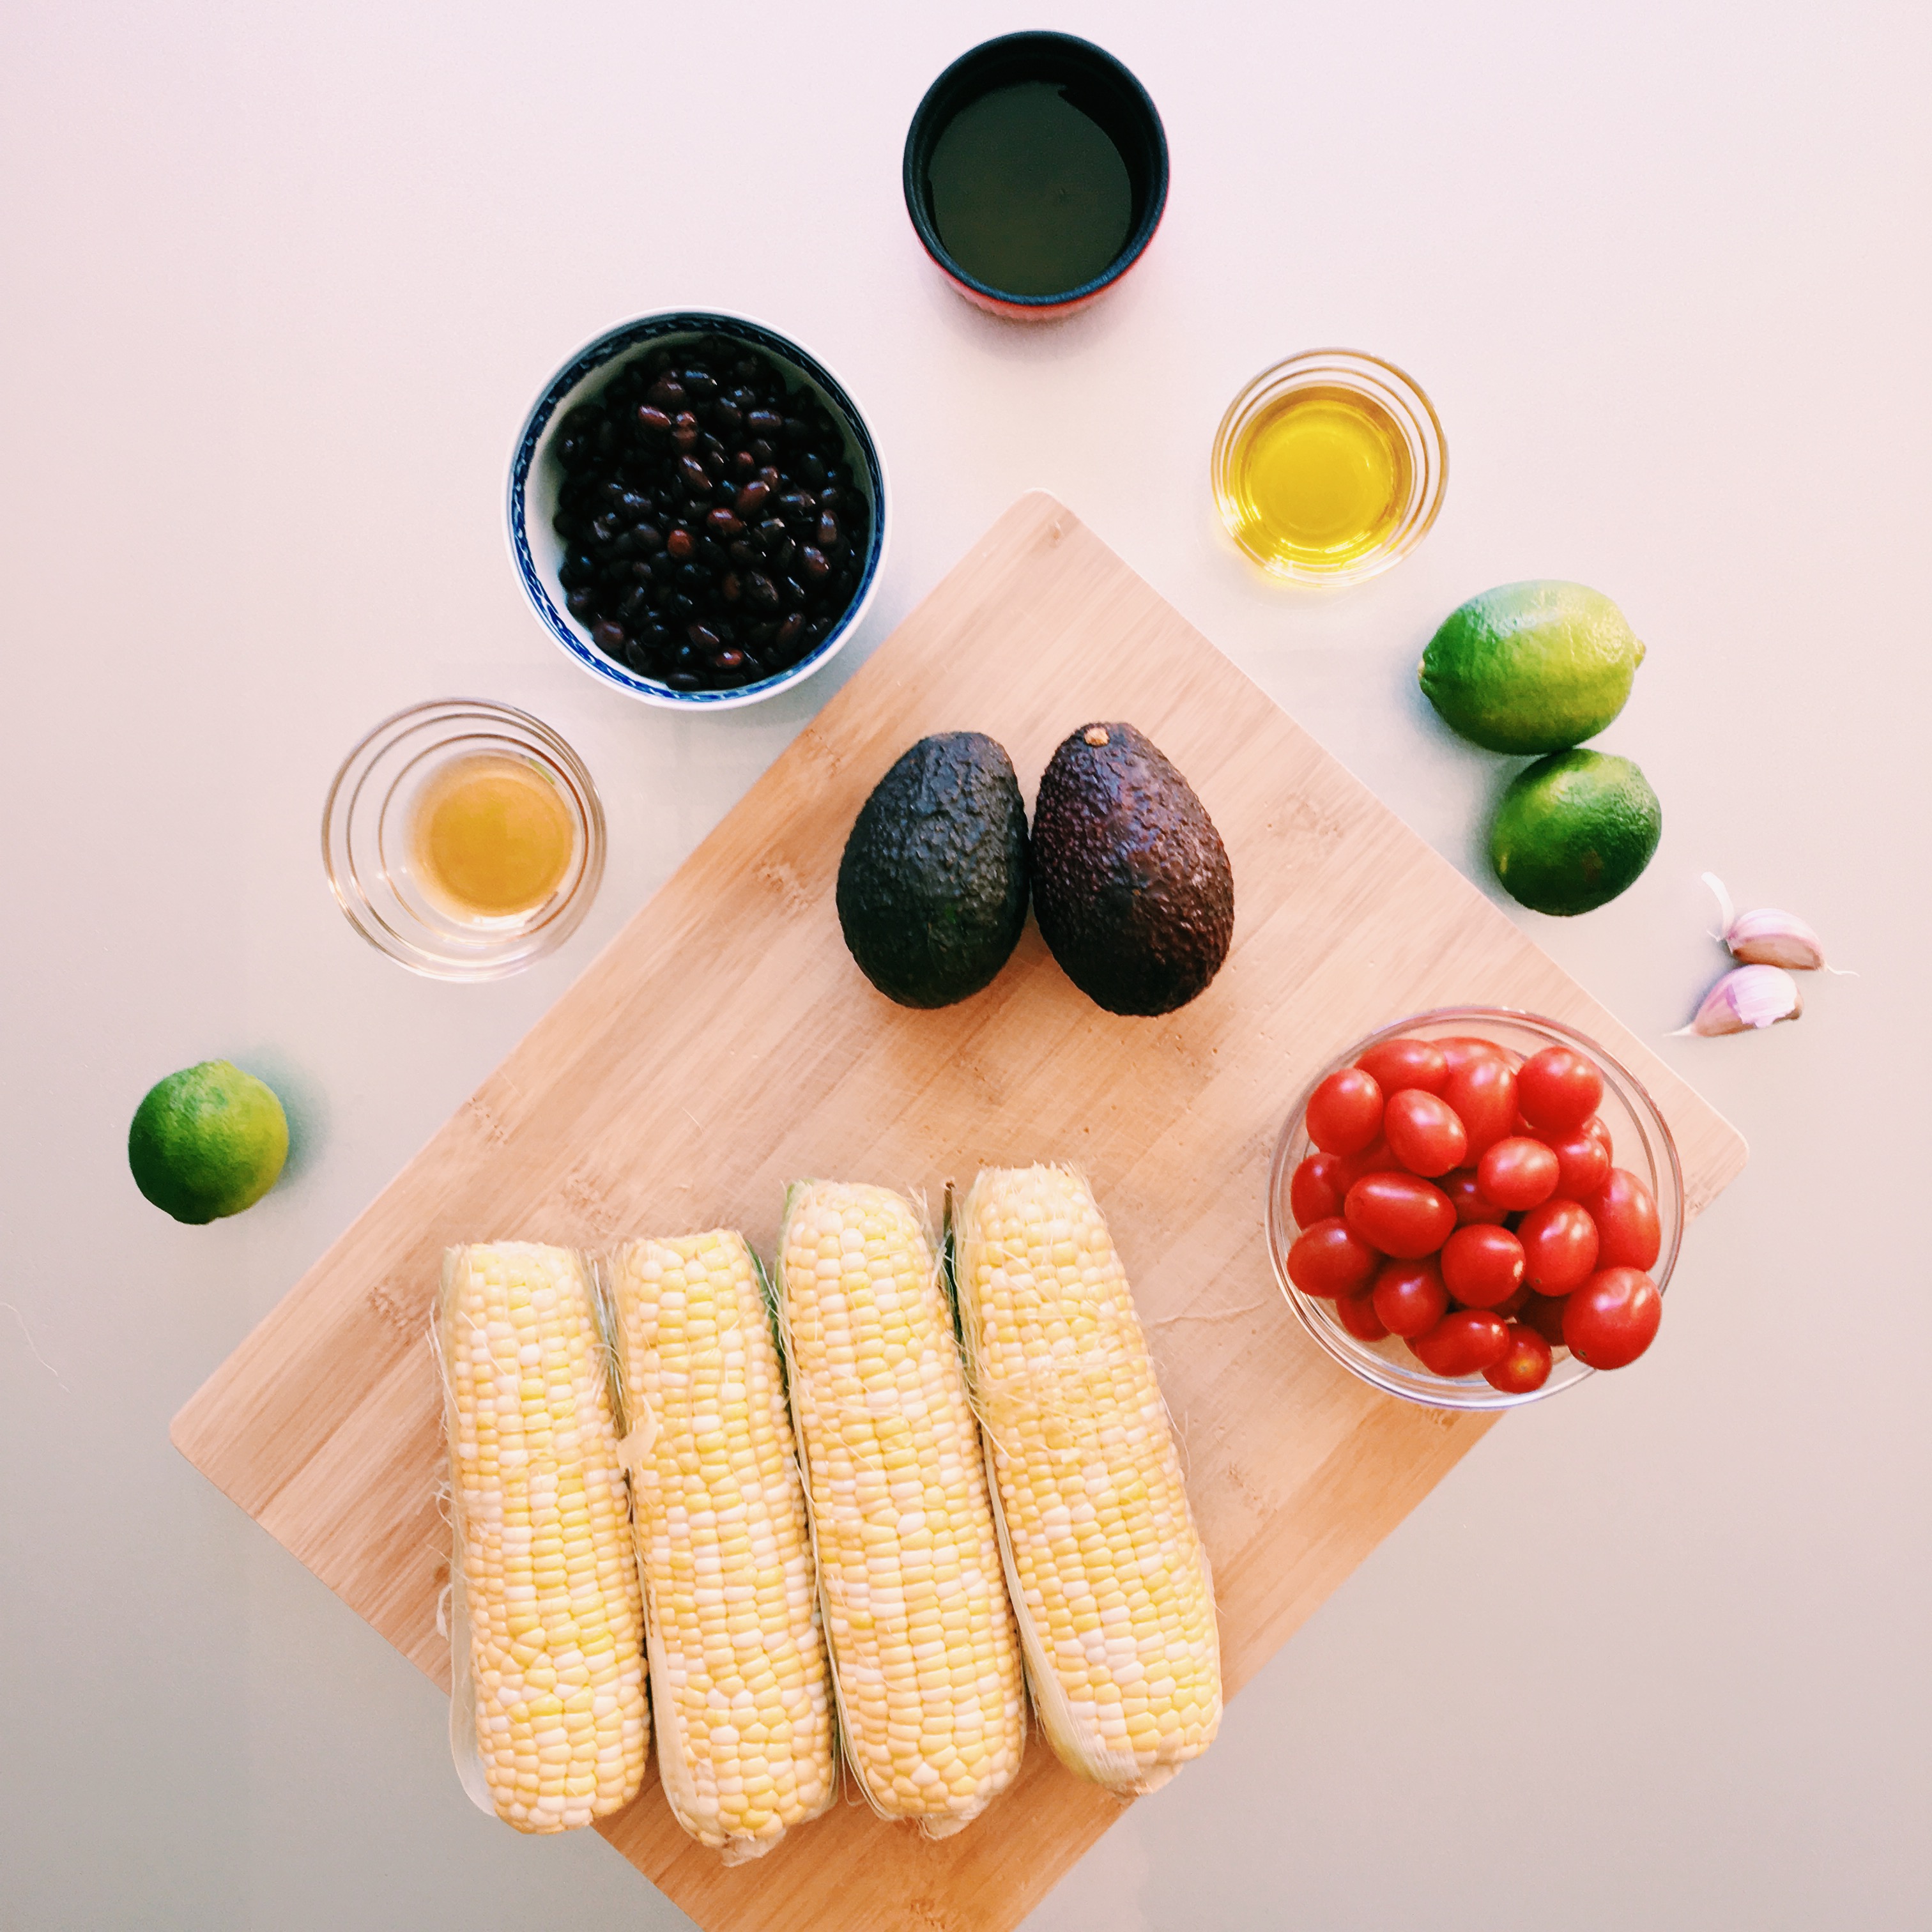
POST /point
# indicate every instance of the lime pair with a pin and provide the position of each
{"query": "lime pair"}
(1538, 668)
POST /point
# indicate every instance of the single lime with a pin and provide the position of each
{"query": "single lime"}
(1573, 831)
(207, 1142)
(1531, 667)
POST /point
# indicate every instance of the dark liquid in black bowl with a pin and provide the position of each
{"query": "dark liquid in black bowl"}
(1029, 194)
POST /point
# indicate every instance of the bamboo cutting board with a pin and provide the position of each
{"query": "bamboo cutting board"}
(725, 1044)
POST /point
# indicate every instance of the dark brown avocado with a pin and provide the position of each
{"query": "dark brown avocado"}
(932, 889)
(1131, 882)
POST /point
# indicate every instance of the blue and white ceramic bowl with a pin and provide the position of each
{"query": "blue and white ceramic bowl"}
(535, 475)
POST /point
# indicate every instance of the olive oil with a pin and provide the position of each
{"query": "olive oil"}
(1029, 194)
(491, 839)
(1319, 479)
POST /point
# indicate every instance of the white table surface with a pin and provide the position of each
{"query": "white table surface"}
(279, 284)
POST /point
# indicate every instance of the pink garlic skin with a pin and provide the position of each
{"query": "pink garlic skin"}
(1747, 998)
(1770, 938)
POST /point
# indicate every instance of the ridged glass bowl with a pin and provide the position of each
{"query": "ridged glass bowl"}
(1642, 1144)
(367, 847)
(1391, 394)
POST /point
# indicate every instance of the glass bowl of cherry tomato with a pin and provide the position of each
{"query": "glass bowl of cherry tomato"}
(1474, 1208)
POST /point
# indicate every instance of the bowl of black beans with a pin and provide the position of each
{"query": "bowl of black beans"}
(696, 510)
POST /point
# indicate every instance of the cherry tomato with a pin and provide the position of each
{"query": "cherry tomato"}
(1517, 1173)
(1345, 1112)
(1466, 1198)
(1613, 1317)
(1400, 1214)
(1627, 1232)
(1315, 1192)
(1599, 1128)
(1409, 1296)
(1357, 1313)
(1375, 1159)
(1582, 1161)
(1459, 1051)
(1482, 1266)
(1397, 1063)
(1329, 1259)
(1526, 1367)
(1559, 1245)
(1465, 1342)
(1558, 1089)
(1511, 1305)
(1482, 1092)
(1424, 1132)
(1544, 1313)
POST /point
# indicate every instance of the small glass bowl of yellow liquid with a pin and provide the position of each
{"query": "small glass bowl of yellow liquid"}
(1329, 467)
(463, 838)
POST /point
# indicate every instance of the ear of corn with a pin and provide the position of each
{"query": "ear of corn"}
(1109, 1580)
(926, 1668)
(548, 1642)
(740, 1693)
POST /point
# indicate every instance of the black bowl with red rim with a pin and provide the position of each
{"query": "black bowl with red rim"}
(1056, 73)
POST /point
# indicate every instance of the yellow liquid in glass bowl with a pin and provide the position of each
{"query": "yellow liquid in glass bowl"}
(1319, 479)
(491, 837)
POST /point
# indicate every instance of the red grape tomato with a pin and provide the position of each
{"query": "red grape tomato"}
(1526, 1367)
(1397, 1063)
(1330, 1258)
(1628, 1233)
(1482, 1092)
(1400, 1214)
(1482, 1266)
(1558, 1089)
(1409, 1296)
(1613, 1317)
(1423, 1131)
(1517, 1172)
(1315, 1192)
(1345, 1112)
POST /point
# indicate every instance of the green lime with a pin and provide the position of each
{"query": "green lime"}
(207, 1142)
(1573, 831)
(1530, 667)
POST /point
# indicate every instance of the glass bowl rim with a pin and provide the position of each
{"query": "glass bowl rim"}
(1347, 366)
(606, 346)
(353, 899)
(1469, 1395)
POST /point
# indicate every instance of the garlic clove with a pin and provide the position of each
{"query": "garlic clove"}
(1769, 937)
(1747, 997)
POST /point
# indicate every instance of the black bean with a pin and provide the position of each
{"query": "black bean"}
(684, 432)
(793, 592)
(723, 523)
(760, 589)
(761, 449)
(667, 393)
(751, 496)
(739, 551)
(727, 413)
(790, 631)
(814, 560)
(727, 660)
(650, 538)
(698, 382)
(679, 543)
(811, 466)
(604, 529)
(581, 604)
(797, 504)
(608, 637)
(827, 533)
(766, 423)
(702, 637)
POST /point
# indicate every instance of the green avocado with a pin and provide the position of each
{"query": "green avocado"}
(932, 889)
(1131, 882)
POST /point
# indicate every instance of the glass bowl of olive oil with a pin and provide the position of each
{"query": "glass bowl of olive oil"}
(463, 838)
(1330, 467)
